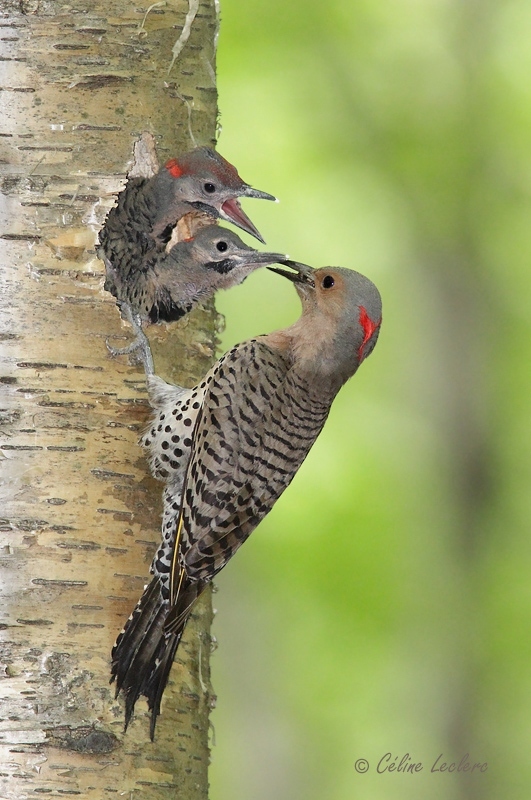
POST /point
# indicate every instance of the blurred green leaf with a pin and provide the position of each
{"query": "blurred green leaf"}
(384, 604)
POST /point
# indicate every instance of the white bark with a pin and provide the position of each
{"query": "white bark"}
(79, 512)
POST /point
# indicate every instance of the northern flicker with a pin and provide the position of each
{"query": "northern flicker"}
(228, 448)
(148, 209)
(171, 284)
(140, 227)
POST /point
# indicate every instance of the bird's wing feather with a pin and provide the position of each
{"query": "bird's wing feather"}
(247, 446)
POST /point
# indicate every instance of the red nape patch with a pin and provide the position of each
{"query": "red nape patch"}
(368, 329)
(173, 168)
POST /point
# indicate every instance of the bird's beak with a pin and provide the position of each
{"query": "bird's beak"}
(262, 259)
(303, 273)
(233, 212)
(258, 195)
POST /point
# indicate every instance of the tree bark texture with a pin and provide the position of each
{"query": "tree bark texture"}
(79, 511)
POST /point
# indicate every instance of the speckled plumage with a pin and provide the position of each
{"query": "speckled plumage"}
(228, 448)
(148, 219)
(170, 284)
(140, 225)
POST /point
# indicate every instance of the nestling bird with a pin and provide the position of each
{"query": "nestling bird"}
(148, 208)
(170, 285)
(228, 448)
(139, 228)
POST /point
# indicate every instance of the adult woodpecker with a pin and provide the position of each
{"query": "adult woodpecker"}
(193, 270)
(228, 448)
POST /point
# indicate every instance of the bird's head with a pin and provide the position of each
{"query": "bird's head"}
(219, 259)
(342, 314)
(207, 182)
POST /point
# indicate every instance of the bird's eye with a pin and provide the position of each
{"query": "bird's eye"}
(327, 282)
(209, 187)
(221, 246)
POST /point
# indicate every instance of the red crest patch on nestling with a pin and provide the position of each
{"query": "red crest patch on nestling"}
(368, 329)
(173, 168)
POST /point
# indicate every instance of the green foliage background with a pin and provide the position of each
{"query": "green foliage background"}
(384, 604)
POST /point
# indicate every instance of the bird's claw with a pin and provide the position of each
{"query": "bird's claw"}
(138, 349)
(122, 351)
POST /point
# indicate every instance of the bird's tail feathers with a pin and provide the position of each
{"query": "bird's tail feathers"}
(134, 630)
(179, 613)
(159, 677)
(143, 654)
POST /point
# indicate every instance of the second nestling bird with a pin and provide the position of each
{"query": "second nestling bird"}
(191, 272)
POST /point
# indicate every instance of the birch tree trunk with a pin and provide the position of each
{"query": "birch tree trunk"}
(79, 512)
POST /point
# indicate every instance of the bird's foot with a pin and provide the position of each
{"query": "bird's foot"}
(139, 350)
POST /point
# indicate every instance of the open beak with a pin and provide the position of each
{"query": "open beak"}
(303, 273)
(233, 212)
